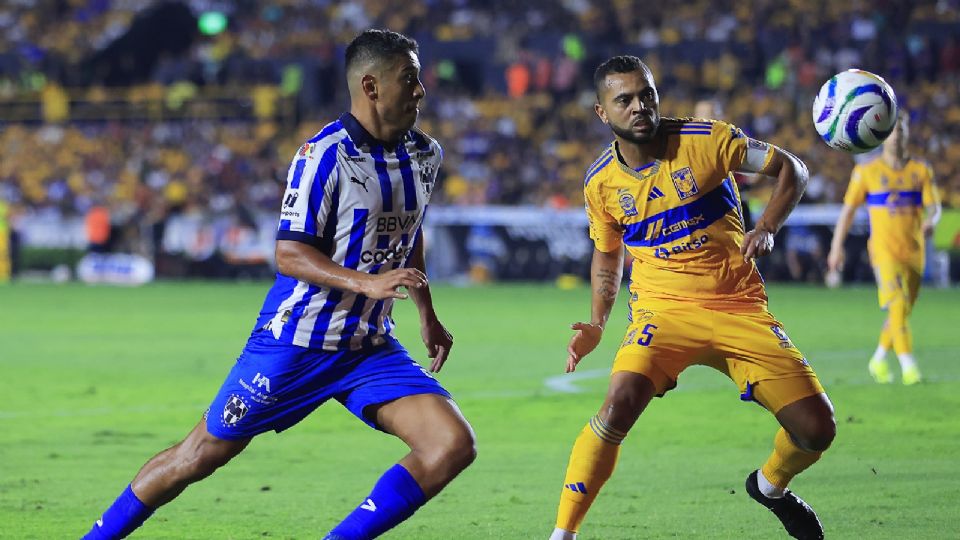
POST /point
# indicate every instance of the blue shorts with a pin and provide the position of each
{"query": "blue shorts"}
(274, 385)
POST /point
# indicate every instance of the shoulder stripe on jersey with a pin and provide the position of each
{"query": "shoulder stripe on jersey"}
(680, 221)
(328, 164)
(688, 132)
(386, 189)
(349, 147)
(352, 260)
(602, 157)
(409, 186)
(895, 198)
(328, 130)
(597, 169)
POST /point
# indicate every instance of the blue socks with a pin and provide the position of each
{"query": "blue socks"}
(122, 518)
(395, 497)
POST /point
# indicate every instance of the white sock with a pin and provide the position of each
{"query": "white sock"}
(906, 361)
(880, 354)
(563, 534)
(769, 490)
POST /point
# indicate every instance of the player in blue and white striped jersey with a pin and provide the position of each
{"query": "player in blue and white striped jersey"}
(349, 238)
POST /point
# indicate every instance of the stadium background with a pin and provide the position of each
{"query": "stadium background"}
(126, 129)
(174, 122)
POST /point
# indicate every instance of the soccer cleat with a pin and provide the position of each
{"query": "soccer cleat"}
(911, 375)
(880, 371)
(797, 517)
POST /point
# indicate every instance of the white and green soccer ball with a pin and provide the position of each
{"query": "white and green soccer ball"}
(855, 111)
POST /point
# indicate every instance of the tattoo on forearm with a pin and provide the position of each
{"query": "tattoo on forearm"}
(608, 284)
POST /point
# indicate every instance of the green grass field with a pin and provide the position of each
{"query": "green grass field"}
(96, 380)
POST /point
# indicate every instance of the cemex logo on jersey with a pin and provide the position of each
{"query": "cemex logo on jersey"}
(397, 253)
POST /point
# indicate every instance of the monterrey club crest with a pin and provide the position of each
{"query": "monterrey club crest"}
(684, 182)
(627, 202)
(234, 410)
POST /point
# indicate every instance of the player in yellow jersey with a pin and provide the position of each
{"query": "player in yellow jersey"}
(663, 189)
(904, 208)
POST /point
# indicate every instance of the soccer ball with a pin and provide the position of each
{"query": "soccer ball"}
(855, 111)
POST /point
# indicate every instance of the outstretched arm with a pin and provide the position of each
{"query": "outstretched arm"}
(435, 336)
(307, 263)
(606, 271)
(791, 175)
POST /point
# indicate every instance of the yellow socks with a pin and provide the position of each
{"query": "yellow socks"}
(899, 328)
(787, 460)
(592, 461)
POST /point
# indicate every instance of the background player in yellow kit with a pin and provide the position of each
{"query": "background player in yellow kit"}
(664, 189)
(904, 208)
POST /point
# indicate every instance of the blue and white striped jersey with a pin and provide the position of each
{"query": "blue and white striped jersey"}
(362, 204)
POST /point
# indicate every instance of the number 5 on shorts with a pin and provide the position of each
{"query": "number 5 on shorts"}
(645, 335)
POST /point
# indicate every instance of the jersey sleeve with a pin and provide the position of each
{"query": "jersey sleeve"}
(929, 190)
(856, 191)
(604, 229)
(738, 152)
(311, 189)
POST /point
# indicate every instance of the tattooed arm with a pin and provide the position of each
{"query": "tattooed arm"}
(606, 271)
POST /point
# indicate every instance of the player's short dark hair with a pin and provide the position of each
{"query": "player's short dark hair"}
(378, 45)
(617, 64)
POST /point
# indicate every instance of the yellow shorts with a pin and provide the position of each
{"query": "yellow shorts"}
(751, 348)
(897, 281)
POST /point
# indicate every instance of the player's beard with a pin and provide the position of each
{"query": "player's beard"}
(629, 135)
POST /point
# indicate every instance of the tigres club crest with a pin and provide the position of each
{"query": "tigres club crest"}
(684, 182)
(627, 202)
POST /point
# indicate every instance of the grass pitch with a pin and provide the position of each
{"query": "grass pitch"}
(96, 380)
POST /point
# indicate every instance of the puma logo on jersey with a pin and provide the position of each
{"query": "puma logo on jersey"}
(354, 180)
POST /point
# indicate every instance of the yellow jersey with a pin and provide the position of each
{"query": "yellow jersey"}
(895, 199)
(680, 216)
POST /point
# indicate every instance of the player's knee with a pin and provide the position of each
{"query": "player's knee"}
(625, 402)
(455, 452)
(818, 435)
(461, 450)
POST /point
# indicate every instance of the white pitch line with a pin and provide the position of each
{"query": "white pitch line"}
(565, 383)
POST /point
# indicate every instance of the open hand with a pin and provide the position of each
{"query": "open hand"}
(585, 339)
(438, 342)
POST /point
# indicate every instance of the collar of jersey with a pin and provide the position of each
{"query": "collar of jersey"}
(359, 134)
(640, 173)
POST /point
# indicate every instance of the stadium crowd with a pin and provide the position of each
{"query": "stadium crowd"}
(509, 91)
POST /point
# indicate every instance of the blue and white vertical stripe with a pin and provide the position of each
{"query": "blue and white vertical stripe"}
(361, 204)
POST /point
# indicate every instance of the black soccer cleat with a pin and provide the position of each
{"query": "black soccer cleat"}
(797, 517)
